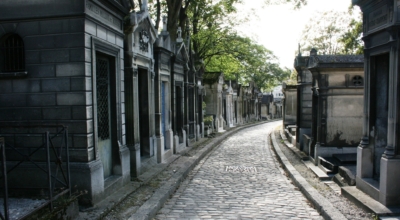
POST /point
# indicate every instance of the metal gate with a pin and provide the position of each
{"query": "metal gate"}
(103, 113)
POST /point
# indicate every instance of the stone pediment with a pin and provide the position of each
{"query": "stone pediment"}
(182, 52)
(144, 32)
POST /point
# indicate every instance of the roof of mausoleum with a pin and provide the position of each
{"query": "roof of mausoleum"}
(300, 61)
(267, 98)
(286, 87)
(336, 61)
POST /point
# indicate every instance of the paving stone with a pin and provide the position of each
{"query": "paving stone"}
(240, 192)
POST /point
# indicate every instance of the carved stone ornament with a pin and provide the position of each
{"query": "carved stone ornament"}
(144, 41)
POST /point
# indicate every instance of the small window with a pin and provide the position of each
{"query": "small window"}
(12, 54)
(357, 81)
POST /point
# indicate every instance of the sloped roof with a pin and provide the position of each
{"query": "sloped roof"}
(335, 60)
(266, 98)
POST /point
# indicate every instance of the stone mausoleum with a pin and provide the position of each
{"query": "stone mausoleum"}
(378, 155)
(67, 69)
(337, 102)
(304, 102)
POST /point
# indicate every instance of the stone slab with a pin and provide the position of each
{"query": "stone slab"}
(346, 158)
(367, 203)
(298, 152)
(317, 171)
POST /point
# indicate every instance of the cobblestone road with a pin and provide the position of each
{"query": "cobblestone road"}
(240, 179)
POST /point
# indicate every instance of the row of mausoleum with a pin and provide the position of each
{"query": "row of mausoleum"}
(343, 111)
(92, 96)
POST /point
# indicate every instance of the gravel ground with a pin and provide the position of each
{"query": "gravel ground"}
(341, 203)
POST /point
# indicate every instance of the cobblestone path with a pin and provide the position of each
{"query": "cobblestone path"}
(240, 179)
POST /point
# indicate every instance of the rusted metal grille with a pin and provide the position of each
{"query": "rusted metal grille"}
(13, 53)
(357, 81)
(102, 86)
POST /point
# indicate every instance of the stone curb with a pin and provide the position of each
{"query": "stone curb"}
(324, 207)
(150, 208)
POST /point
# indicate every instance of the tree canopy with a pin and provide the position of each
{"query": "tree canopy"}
(214, 42)
(334, 33)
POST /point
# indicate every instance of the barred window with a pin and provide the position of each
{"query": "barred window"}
(12, 53)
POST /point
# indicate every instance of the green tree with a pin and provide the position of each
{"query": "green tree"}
(351, 39)
(242, 59)
(214, 42)
(333, 33)
(292, 80)
(296, 3)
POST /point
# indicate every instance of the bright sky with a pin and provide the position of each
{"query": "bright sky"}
(279, 27)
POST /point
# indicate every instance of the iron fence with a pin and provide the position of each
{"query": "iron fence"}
(48, 156)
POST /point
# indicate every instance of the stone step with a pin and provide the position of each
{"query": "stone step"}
(367, 203)
(345, 158)
(317, 171)
(349, 174)
(328, 164)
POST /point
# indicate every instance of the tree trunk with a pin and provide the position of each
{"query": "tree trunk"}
(158, 14)
(173, 14)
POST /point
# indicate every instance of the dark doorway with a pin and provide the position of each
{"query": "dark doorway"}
(314, 126)
(379, 108)
(164, 110)
(106, 114)
(144, 114)
(236, 115)
(179, 112)
(224, 110)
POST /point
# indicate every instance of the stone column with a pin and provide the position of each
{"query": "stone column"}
(392, 101)
(364, 152)
(152, 126)
(389, 186)
(158, 117)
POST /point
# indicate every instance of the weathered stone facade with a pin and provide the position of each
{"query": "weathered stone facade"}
(140, 91)
(74, 76)
(228, 112)
(128, 96)
(304, 101)
(162, 55)
(179, 91)
(378, 163)
(337, 103)
(240, 118)
(289, 104)
(266, 101)
(213, 86)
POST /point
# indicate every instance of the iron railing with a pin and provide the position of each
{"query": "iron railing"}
(58, 174)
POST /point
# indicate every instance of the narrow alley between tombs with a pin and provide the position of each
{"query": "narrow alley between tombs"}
(241, 178)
